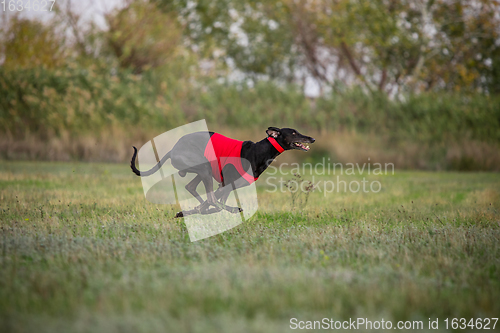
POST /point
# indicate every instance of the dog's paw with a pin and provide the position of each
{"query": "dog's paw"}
(235, 210)
(179, 214)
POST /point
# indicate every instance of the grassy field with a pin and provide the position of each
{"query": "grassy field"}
(83, 251)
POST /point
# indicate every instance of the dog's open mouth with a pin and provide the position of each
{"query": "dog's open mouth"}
(303, 146)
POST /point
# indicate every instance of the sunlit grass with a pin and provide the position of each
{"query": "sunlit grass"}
(82, 250)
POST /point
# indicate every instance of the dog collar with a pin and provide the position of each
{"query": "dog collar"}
(276, 145)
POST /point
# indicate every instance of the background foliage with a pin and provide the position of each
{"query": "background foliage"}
(402, 82)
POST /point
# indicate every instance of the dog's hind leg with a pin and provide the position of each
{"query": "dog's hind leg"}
(222, 194)
(211, 198)
(191, 188)
(216, 199)
(204, 207)
(204, 175)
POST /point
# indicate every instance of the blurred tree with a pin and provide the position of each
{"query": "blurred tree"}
(390, 46)
(141, 36)
(468, 33)
(395, 46)
(85, 39)
(244, 35)
(28, 43)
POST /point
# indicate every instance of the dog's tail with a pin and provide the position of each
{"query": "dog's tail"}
(150, 171)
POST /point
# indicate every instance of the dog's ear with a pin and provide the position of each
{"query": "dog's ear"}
(273, 132)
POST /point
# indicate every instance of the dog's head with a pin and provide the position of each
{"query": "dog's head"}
(288, 138)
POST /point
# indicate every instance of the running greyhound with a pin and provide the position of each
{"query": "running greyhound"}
(227, 161)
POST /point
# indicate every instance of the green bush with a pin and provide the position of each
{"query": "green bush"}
(86, 102)
(82, 101)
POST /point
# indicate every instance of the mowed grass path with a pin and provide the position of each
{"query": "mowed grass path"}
(83, 251)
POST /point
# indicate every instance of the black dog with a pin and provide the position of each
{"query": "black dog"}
(190, 155)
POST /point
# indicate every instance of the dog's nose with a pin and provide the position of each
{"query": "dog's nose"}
(312, 140)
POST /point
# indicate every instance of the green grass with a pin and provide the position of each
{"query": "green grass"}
(83, 251)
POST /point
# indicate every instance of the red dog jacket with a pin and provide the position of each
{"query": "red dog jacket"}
(222, 151)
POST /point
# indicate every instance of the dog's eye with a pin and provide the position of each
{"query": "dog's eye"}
(294, 133)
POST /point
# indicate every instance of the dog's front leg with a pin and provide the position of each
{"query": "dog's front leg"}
(212, 199)
(216, 199)
(222, 194)
(191, 188)
(206, 177)
(203, 208)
